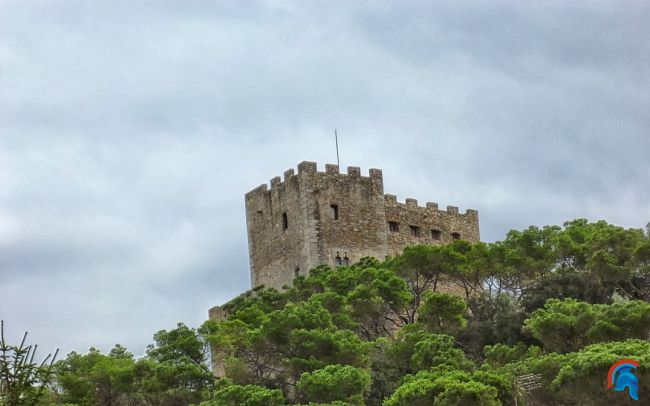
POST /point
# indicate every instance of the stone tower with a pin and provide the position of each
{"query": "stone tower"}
(313, 218)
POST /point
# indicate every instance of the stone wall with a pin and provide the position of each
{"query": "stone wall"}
(275, 252)
(346, 215)
(334, 218)
(413, 224)
(217, 356)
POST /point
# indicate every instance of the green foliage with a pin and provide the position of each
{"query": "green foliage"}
(335, 383)
(562, 284)
(173, 373)
(561, 325)
(585, 261)
(390, 316)
(442, 313)
(415, 349)
(22, 381)
(264, 299)
(419, 264)
(467, 394)
(494, 319)
(179, 343)
(314, 349)
(532, 251)
(95, 378)
(177, 363)
(228, 394)
(579, 378)
(385, 333)
(446, 386)
(499, 355)
(370, 298)
(411, 351)
(569, 325)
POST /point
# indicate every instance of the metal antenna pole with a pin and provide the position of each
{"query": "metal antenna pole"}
(336, 139)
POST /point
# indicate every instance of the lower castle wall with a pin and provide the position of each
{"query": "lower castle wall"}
(218, 357)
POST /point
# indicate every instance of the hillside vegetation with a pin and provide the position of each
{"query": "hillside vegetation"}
(535, 319)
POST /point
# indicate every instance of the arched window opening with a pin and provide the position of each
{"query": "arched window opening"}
(455, 236)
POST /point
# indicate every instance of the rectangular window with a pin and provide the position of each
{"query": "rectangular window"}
(415, 231)
(436, 234)
(285, 221)
(334, 211)
(393, 226)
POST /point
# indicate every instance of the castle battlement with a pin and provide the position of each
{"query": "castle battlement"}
(410, 203)
(311, 168)
(309, 217)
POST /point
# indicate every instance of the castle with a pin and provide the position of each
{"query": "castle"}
(313, 218)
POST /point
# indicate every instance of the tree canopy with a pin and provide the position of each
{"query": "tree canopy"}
(456, 324)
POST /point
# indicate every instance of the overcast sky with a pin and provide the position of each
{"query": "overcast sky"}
(130, 131)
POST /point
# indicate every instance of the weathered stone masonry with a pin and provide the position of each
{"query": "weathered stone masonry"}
(312, 218)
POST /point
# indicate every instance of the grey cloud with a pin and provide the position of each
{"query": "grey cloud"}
(129, 133)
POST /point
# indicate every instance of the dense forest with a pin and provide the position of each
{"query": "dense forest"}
(534, 319)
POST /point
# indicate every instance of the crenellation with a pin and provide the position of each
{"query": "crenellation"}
(275, 182)
(307, 167)
(354, 171)
(331, 168)
(411, 202)
(288, 174)
(376, 175)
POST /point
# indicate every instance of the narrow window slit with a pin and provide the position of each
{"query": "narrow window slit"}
(334, 211)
